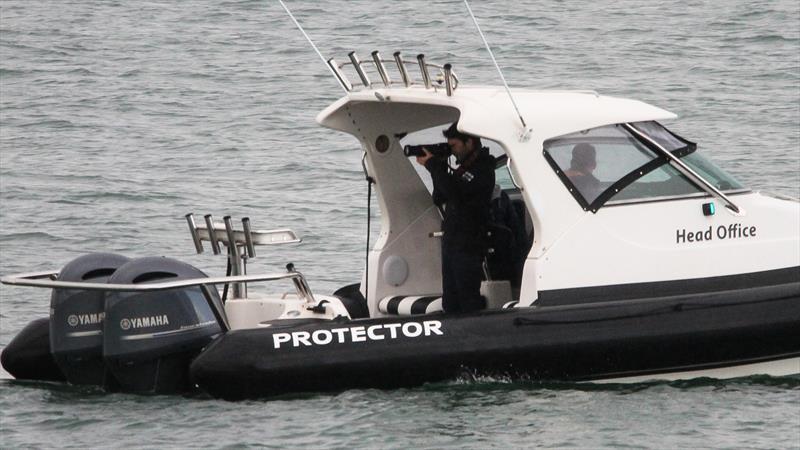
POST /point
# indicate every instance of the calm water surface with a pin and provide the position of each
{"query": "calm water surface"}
(117, 118)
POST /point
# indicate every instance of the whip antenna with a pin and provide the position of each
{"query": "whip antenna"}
(526, 131)
(310, 41)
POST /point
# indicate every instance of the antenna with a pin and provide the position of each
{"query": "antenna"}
(525, 130)
(312, 43)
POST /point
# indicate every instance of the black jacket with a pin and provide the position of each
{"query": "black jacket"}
(466, 194)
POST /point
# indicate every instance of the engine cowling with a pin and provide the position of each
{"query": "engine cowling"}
(149, 338)
(76, 319)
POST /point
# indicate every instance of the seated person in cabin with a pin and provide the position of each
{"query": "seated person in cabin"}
(465, 193)
(580, 171)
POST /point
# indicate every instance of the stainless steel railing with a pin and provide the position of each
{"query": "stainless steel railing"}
(48, 280)
(432, 76)
(239, 243)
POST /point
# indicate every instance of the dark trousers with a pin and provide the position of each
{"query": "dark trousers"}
(461, 279)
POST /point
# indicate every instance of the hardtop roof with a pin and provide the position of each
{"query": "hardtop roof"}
(487, 111)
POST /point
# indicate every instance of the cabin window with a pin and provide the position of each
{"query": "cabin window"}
(502, 175)
(664, 181)
(716, 176)
(686, 151)
(610, 165)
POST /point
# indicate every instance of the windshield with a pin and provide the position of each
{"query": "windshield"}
(610, 165)
(713, 174)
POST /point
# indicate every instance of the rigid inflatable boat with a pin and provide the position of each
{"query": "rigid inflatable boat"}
(663, 267)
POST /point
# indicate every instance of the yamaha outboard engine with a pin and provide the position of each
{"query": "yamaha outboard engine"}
(76, 319)
(151, 337)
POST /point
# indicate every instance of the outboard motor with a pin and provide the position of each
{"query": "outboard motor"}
(151, 337)
(76, 319)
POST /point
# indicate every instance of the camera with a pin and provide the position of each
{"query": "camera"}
(441, 150)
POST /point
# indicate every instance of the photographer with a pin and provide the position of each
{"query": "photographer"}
(465, 193)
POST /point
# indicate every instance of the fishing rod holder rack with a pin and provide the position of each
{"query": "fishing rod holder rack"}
(444, 75)
(241, 245)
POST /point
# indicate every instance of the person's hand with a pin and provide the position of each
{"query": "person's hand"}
(421, 160)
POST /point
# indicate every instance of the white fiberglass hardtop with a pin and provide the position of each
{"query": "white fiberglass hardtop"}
(647, 220)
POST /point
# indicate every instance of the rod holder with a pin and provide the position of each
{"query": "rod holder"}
(448, 73)
(426, 77)
(212, 234)
(193, 230)
(376, 58)
(339, 75)
(248, 237)
(401, 66)
(233, 254)
(230, 232)
(357, 65)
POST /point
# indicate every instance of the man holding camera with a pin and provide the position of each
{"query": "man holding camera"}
(465, 192)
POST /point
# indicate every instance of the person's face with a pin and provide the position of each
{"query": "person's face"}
(459, 148)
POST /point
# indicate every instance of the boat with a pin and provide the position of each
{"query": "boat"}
(664, 267)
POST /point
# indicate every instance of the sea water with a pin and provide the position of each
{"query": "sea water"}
(117, 118)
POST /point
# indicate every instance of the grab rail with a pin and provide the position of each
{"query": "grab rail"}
(47, 280)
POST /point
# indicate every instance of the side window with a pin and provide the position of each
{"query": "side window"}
(592, 160)
(610, 164)
(502, 176)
